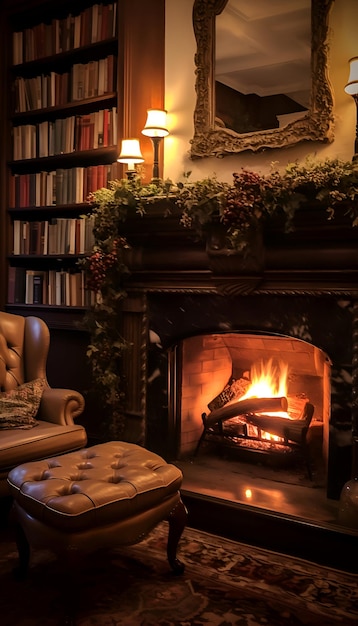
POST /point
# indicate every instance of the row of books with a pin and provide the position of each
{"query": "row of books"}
(59, 236)
(59, 288)
(65, 135)
(85, 80)
(93, 24)
(60, 186)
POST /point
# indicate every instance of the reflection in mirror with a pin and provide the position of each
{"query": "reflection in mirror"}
(261, 76)
(262, 63)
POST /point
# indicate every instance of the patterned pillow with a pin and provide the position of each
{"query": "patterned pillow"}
(19, 406)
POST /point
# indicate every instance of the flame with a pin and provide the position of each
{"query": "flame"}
(267, 380)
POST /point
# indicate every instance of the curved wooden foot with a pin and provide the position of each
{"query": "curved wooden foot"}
(177, 521)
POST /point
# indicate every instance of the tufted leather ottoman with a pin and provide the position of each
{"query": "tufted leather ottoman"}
(108, 495)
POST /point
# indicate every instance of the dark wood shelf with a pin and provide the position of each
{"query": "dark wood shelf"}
(98, 156)
(53, 210)
(87, 105)
(64, 60)
(45, 257)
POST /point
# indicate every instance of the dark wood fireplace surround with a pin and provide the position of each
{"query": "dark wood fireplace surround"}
(317, 261)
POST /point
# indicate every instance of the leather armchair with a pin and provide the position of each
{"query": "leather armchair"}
(24, 346)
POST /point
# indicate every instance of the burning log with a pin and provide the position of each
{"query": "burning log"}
(244, 407)
(297, 406)
(289, 429)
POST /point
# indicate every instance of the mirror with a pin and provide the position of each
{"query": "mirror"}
(305, 109)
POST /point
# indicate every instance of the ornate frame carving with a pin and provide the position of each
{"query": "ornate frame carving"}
(211, 140)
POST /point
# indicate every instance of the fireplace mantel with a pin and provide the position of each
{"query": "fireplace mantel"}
(318, 256)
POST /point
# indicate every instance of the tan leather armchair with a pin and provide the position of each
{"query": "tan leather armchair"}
(24, 346)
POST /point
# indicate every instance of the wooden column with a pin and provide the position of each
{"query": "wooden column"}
(141, 74)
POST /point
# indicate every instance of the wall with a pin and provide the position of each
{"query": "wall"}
(180, 98)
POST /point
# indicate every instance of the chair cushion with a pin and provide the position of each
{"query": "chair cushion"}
(47, 439)
(94, 486)
(19, 406)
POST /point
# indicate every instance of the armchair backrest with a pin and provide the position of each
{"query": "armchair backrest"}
(24, 346)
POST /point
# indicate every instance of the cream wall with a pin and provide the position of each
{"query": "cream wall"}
(180, 98)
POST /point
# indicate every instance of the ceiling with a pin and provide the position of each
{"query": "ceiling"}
(264, 47)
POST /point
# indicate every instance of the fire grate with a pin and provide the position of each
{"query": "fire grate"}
(286, 436)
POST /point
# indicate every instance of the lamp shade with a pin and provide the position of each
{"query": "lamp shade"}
(130, 152)
(155, 125)
(352, 86)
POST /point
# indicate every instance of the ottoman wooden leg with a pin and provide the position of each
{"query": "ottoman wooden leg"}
(23, 548)
(22, 545)
(177, 521)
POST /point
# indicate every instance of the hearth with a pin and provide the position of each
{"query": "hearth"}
(197, 317)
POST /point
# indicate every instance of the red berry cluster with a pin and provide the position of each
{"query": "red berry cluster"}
(99, 263)
(243, 200)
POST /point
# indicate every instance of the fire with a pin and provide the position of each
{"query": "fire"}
(267, 380)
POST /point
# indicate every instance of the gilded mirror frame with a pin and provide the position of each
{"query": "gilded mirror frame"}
(211, 140)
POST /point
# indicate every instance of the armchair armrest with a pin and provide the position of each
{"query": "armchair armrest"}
(60, 406)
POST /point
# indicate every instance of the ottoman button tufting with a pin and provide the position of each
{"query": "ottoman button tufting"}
(106, 496)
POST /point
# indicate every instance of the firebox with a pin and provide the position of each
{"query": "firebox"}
(260, 394)
(206, 350)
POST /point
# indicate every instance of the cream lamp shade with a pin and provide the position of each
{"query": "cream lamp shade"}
(352, 86)
(155, 125)
(130, 153)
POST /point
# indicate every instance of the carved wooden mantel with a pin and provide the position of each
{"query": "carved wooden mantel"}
(317, 256)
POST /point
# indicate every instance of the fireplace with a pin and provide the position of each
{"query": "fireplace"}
(197, 316)
(201, 342)
(265, 396)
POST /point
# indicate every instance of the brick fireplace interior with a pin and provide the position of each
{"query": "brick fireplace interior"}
(221, 365)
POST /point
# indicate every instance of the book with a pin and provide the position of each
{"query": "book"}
(17, 236)
(25, 237)
(16, 285)
(38, 284)
(34, 237)
(29, 287)
(42, 238)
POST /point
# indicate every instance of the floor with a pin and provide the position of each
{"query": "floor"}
(286, 491)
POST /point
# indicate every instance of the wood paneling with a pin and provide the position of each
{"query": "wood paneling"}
(141, 76)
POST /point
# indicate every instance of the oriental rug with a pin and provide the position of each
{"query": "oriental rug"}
(224, 583)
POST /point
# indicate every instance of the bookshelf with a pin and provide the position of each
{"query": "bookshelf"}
(66, 89)
(64, 137)
(64, 81)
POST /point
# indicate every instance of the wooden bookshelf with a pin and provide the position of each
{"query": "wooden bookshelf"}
(70, 71)
(64, 137)
(123, 71)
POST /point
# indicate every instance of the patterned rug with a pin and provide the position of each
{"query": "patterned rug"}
(224, 583)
